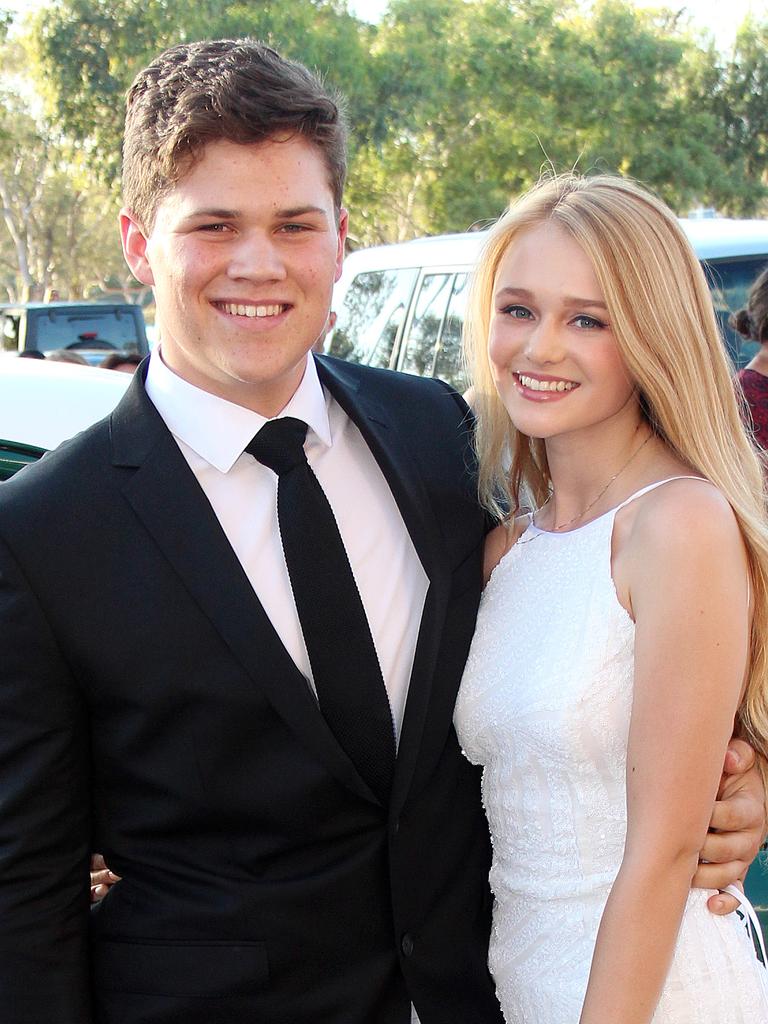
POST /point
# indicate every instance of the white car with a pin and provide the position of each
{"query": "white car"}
(43, 403)
(402, 306)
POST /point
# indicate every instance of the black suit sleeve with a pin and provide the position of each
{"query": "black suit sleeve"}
(44, 817)
(470, 421)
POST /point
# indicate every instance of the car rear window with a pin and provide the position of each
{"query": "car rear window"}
(59, 328)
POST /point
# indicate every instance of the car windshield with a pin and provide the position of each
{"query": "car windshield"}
(60, 328)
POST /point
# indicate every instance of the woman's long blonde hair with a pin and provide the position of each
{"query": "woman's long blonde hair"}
(664, 323)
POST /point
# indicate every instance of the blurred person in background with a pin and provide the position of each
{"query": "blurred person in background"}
(63, 355)
(752, 323)
(123, 362)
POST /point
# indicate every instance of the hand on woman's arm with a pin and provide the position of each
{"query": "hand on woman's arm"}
(102, 879)
(686, 577)
(736, 829)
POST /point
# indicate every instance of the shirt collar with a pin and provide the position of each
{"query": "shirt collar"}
(218, 430)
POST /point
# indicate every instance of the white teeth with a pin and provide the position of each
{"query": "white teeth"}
(533, 384)
(238, 309)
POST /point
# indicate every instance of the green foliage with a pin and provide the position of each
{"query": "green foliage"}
(735, 95)
(455, 105)
(491, 92)
(87, 52)
(59, 224)
(620, 97)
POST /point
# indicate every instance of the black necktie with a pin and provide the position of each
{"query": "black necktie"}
(345, 667)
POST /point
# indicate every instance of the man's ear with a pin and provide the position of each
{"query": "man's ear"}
(135, 248)
(342, 237)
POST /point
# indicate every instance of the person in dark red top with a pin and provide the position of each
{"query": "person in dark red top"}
(752, 323)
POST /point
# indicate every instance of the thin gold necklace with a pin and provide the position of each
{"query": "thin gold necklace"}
(580, 515)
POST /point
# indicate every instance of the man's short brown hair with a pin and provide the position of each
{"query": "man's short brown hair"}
(233, 90)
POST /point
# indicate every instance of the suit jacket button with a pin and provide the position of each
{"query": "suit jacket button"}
(406, 944)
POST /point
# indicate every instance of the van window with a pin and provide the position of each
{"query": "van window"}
(426, 325)
(729, 282)
(448, 361)
(10, 333)
(371, 318)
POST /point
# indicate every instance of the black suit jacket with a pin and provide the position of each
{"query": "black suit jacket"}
(149, 710)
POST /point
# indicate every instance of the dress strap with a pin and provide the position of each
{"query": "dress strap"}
(751, 918)
(653, 486)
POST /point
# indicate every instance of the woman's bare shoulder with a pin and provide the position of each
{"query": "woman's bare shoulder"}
(674, 529)
(689, 510)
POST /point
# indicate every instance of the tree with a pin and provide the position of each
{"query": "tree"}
(60, 227)
(463, 118)
(455, 105)
(736, 96)
(87, 52)
(472, 124)
(58, 224)
(620, 87)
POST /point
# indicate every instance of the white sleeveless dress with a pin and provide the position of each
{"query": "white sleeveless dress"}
(544, 706)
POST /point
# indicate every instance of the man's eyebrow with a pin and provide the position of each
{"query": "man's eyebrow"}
(213, 213)
(300, 211)
(218, 213)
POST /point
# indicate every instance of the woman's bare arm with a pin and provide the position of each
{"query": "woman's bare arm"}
(686, 574)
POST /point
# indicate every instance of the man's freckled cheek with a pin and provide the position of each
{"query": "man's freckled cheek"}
(205, 258)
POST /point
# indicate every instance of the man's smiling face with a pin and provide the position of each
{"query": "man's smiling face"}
(242, 256)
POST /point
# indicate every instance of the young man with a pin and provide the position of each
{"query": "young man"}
(267, 755)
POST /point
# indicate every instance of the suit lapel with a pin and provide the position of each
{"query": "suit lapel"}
(171, 505)
(392, 452)
(173, 508)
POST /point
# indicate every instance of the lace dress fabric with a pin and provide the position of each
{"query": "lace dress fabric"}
(544, 706)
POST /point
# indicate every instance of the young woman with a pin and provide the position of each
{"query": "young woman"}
(622, 625)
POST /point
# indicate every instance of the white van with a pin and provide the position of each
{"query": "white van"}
(402, 306)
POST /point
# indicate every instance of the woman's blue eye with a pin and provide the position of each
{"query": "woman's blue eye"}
(517, 312)
(587, 322)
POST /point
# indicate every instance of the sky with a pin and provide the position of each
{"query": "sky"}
(721, 17)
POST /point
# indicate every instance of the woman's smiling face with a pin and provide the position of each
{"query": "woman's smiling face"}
(553, 353)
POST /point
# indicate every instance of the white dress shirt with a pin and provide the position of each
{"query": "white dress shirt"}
(212, 434)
